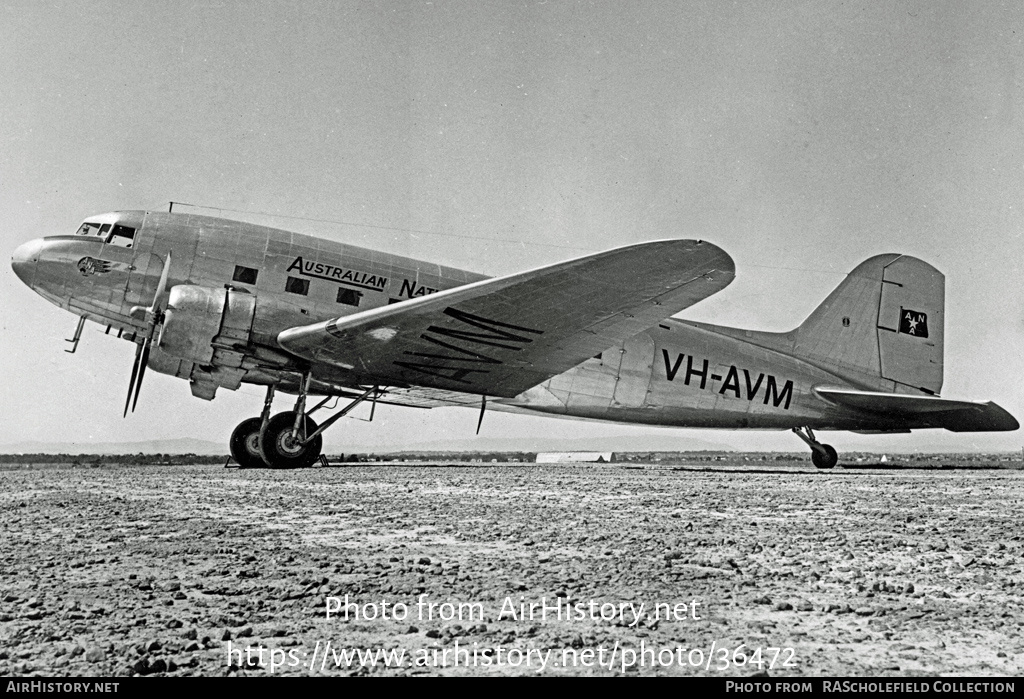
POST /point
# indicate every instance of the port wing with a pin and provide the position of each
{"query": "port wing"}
(499, 337)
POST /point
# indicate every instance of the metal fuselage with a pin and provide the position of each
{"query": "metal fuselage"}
(678, 373)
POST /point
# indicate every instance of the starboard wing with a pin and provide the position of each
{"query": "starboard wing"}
(501, 336)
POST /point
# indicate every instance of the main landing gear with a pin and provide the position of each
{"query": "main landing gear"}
(822, 455)
(287, 440)
(245, 444)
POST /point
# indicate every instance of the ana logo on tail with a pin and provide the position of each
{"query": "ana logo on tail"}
(913, 323)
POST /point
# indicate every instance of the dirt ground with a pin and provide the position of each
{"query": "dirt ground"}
(783, 570)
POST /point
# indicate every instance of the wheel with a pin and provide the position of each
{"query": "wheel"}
(245, 444)
(279, 450)
(828, 459)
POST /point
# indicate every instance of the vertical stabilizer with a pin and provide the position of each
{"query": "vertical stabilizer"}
(882, 325)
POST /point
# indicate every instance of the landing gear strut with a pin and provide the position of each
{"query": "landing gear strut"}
(822, 455)
(283, 447)
(290, 439)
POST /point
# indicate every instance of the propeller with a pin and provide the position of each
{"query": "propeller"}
(154, 316)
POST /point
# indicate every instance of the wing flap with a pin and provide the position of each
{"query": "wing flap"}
(502, 336)
(416, 397)
(926, 411)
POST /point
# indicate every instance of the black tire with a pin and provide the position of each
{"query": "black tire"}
(828, 459)
(245, 444)
(279, 451)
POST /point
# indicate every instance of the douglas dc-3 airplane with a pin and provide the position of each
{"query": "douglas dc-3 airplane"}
(221, 303)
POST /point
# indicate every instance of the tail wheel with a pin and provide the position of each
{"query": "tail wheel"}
(280, 450)
(826, 458)
(245, 444)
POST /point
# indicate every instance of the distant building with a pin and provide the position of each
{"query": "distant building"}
(562, 457)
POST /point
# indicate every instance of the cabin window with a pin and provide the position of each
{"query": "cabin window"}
(122, 236)
(245, 275)
(295, 285)
(349, 297)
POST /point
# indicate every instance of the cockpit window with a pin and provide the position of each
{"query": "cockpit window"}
(112, 233)
(122, 236)
(90, 229)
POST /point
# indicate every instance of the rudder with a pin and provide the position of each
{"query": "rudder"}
(883, 325)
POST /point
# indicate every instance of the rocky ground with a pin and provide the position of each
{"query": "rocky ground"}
(116, 570)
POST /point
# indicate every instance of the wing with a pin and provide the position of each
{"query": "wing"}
(501, 336)
(930, 411)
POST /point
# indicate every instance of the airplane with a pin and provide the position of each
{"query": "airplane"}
(221, 303)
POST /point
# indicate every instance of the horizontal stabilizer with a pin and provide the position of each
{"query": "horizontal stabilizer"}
(926, 411)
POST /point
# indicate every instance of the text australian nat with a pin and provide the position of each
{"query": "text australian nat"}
(220, 303)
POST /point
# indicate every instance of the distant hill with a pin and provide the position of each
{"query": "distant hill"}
(184, 445)
(654, 442)
(188, 445)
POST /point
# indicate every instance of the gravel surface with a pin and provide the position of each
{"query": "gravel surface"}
(143, 570)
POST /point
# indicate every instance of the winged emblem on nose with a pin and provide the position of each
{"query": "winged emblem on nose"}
(90, 265)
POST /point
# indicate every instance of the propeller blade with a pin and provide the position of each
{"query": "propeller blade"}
(135, 372)
(144, 361)
(154, 315)
(161, 287)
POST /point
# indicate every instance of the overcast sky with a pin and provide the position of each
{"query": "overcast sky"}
(802, 137)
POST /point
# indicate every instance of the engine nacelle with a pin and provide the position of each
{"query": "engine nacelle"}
(207, 326)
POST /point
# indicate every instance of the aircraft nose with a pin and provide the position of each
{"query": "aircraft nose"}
(23, 261)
